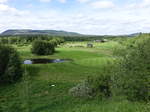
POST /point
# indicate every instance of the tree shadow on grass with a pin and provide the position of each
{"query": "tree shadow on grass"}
(56, 51)
(32, 70)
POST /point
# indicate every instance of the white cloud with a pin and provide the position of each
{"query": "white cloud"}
(10, 17)
(145, 3)
(142, 4)
(89, 23)
(102, 4)
(3, 1)
(62, 1)
(121, 20)
(83, 1)
(45, 0)
(4, 7)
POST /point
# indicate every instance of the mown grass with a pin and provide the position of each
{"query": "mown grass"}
(35, 93)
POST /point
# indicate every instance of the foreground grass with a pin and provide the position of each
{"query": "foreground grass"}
(35, 93)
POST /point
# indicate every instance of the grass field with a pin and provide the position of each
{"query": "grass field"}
(35, 93)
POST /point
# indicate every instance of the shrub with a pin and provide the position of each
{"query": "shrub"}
(57, 41)
(97, 86)
(93, 86)
(10, 65)
(41, 47)
(81, 90)
(133, 77)
(101, 86)
(4, 40)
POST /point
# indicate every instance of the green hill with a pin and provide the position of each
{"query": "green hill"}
(39, 32)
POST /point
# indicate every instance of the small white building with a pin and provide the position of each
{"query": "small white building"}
(90, 45)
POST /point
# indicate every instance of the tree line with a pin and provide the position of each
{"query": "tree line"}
(30, 38)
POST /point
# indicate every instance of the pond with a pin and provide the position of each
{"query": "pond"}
(45, 61)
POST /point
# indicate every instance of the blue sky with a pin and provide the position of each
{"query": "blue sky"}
(103, 17)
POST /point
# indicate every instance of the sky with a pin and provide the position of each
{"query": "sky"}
(97, 17)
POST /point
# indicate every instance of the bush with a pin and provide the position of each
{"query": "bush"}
(41, 47)
(10, 65)
(57, 41)
(133, 77)
(97, 86)
(101, 86)
(82, 90)
(93, 86)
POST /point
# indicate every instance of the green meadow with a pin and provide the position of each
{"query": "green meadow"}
(45, 87)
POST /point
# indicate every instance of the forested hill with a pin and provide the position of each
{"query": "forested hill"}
(68, 36)
(39, 32)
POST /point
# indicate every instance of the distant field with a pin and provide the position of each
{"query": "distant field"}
(35, 92)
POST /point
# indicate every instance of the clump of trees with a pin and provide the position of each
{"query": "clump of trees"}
(27, 39)
(41, 47)
(132, 73)
(133, 76)
(10, 65)
(128, 76)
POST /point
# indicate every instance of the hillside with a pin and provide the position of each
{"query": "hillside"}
(39, 32)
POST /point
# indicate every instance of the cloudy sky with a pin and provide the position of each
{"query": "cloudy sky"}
(84, 16)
